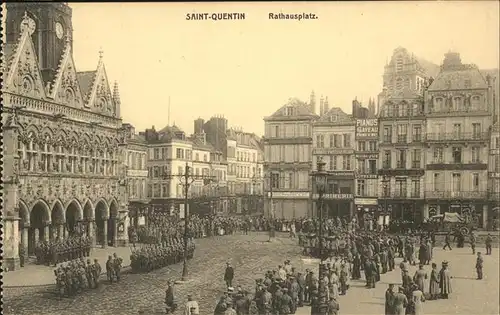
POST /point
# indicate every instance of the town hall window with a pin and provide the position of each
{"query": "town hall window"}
(457, 154)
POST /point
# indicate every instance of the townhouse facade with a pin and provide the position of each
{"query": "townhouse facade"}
(401, 138)
(333, 141)
(459, 108)
(288, 159)
(494, 177)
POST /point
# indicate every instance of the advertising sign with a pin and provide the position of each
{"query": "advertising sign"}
(366, 128)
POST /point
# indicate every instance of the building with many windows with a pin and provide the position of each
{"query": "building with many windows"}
(333, 141)
(248, 171)
(366, 159)
(63, 138)
(459, 108)
(401, 137)
(137, 174)
(287, 150)
(494, 177)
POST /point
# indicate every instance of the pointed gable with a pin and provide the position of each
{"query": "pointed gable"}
(65, 89)
(23, 74)
(294, 108)
(100, 98)
(336, 116)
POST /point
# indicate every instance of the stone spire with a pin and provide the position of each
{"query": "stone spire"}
(321, 106)
(116, 99)
(312, 102)
(326, 107)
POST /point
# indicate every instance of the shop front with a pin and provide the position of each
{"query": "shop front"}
(366, 212)
(335, 205)
(287, 204)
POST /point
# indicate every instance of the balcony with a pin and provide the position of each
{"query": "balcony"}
(416, 164)
(401, 164)
(401, 194)
(457, 166)
(455, 194)
(417, 138)
(402, 138)
(387, 139)
(457, 136)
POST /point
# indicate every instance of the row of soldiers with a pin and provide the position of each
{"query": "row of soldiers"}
(62, 250)
(75, 276)
(156, 256)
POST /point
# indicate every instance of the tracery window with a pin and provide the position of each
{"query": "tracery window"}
(438, 104)
(31, 152)
(46, 155)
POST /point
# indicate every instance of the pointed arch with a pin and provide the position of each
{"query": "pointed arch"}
(40, 213)
(74, 206)
(113, 207)
(57, 213)
(46, 131)
(88, 210)
(24, 214)
(101, 209)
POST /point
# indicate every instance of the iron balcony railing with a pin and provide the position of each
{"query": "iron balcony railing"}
(457, 136)
(402, 138)
(455, 194)
(401, 194)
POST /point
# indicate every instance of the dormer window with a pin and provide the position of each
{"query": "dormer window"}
(289, 111)
(467, 83)
(438, 103)
(457, 103)
(399, 83)
(334, 118)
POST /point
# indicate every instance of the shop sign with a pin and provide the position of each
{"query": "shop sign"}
(365, 201)
(346, 173)
(335, 196)
(331, 151)
(367, 176)
(367, 156)
(288, 194)
(366, 128)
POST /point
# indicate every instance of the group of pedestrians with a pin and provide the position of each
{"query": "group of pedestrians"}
(76, 276)
(62, 250)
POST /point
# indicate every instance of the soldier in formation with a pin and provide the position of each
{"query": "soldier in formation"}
(156, 256)
(58, 251)
(76, 276)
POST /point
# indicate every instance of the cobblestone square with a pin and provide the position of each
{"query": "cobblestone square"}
(251, 256)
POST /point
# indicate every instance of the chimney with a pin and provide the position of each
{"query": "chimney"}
(355, 106)
(312, 102)
(326, 107)
(198, 126)
(321, 108)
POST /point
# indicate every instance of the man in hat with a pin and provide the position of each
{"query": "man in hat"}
(445, 280)
(472, 240)
(285, 304)
(389, 300)
(400, 302)
(170, 305)
(479, 266)
(488, 242)
(434, 283)
(229, 275)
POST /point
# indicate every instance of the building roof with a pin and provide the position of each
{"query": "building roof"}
(198, 144)
(459, 77)
(430, 68)
(336, 115)
(85, 80)
(302, 109)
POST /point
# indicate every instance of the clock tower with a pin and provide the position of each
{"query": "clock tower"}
(49, 24)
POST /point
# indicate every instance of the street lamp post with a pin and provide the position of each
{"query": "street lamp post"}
(187, 179)
(385, 185)
(320, 177)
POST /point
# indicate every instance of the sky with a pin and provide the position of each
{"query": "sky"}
(247, 69)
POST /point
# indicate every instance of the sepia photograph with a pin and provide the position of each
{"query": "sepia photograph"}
(239, 158)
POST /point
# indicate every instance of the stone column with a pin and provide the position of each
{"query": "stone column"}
(105, 234)
(485, 216)
(92, 232)
(10, 248)
(426, 211)
(46, 233)
(60, 232)
(37, 235)
(121, 227)
(24, 239)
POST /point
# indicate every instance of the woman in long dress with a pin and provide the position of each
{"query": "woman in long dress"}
(434, 283)
(417, 300)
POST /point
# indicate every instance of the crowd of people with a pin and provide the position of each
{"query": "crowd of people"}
(156, 256)
(62, 250)
(75, 276)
